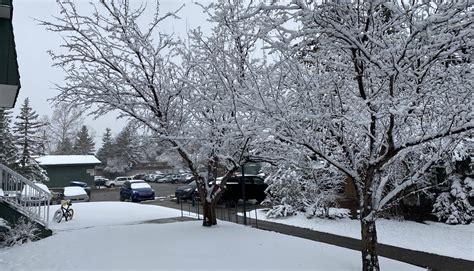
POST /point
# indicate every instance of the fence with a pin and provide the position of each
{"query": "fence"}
(233, 214)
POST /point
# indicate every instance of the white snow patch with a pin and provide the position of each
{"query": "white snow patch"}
(72, 191)
(140, 185)
(97, 239)
(67, 160)
(438, 238)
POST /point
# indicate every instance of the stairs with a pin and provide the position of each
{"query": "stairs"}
(22, 197)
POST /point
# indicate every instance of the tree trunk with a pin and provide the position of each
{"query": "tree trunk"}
(370, 261)
(209, 214)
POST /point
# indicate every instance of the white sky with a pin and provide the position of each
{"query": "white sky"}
(33, 41)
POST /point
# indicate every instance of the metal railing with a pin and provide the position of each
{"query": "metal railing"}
(24, 195)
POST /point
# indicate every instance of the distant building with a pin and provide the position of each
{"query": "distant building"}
(63, 169)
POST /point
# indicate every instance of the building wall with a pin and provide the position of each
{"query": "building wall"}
(61, 175)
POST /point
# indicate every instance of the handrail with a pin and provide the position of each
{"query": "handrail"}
(24, 195)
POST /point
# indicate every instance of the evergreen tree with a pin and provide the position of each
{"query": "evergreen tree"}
(64, 147)
(107, 143)
(28, 142)
(8, 152)
(84, 143)
(125, 151)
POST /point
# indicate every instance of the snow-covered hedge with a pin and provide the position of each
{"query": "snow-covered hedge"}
(294, 190)
(453, 207)
(16, 234)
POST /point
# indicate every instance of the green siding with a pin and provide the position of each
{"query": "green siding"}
(61, 175)
(9, 74)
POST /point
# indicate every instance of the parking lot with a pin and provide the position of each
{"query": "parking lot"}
(164, 193)
(162, 190)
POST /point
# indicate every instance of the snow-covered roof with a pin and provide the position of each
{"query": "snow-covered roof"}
(67, 160)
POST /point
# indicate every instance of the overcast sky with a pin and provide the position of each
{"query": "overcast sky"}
(33, 41)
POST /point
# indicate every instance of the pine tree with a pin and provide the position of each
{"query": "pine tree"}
(8, 152)
(106, 150)
(64, 147)
(28, 141)
(84, 143)
(125, 151)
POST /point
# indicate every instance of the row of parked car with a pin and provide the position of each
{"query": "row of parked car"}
(169, 178)
(149, 177)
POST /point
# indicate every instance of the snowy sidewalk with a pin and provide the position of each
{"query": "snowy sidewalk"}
(344, 234)
(419, 258)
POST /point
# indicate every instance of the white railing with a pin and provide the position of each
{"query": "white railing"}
(24, 195)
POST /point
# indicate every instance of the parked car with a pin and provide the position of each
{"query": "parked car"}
(75, 194)
(100, 181)
(83, 185)
(255, 188)
(136, 191)
(141, 176)
(118, 181)
(185, 192)
(164, 179)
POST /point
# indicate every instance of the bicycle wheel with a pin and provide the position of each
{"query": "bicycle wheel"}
(58, 215)
(70, 214)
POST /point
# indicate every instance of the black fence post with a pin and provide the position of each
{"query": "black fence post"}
(256, 219)
(236, 215)
(244, 198)
(197, 205)
(181, 208)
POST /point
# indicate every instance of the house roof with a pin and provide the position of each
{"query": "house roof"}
(48, 160)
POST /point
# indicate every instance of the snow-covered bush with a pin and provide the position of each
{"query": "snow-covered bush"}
(453, 207)
(291, 190)
(21, 232)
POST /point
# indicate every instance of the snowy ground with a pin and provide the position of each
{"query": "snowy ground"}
(110, 236)
(450, 240)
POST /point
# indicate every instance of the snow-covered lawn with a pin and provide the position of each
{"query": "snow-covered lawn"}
(109, 236)
(451, 240)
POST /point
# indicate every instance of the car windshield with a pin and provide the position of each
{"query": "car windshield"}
(193, 183)
(139, 185)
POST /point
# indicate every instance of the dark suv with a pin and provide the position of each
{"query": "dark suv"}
(255, 188)
(186, 191)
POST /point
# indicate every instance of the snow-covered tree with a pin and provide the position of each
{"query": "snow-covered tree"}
(8, 151)
(64, 124)
(309, 190)
(114, 64)
(379, 90)
(65, 146)
(28, 141)
(453, 207)
(105, 151)
(84, 143)
(124, 151)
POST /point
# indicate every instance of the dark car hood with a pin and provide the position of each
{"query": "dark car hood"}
(143, 190)
(184, 187)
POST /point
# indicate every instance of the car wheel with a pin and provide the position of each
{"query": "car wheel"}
(122, 198)
(112, 185)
